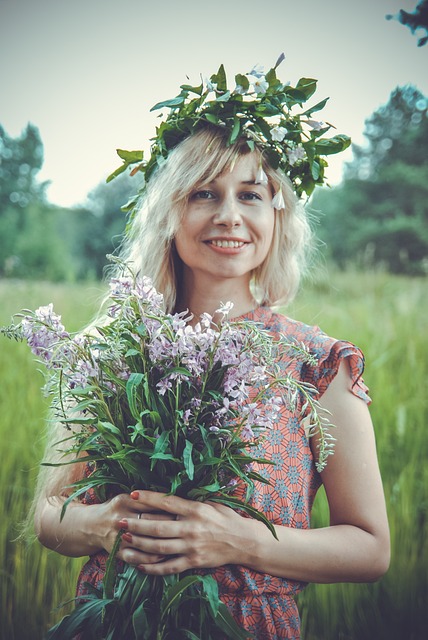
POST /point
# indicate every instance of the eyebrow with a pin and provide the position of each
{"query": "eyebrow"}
(246, 182)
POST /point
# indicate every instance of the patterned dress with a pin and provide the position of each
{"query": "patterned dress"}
(263, 604)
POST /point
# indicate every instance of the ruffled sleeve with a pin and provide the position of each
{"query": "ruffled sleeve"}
(330, 353)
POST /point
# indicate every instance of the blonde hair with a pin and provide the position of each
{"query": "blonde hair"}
(201, 158)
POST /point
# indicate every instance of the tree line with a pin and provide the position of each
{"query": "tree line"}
(376, 217)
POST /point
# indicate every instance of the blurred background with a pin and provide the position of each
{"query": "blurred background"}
(78, 81)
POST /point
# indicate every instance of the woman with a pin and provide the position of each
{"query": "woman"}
(218, 224)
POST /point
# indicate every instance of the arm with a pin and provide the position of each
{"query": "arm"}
(355, 547)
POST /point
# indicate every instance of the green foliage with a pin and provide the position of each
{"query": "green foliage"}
(386, 316)
(20, 160)
(30, 244)
(258, 109)
(95, 230)
(416, 21)
(42, 241)
(379, 214)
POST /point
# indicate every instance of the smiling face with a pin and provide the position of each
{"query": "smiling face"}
(227, 229)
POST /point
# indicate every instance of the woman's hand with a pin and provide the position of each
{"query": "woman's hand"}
(114, 515)
(174, 534)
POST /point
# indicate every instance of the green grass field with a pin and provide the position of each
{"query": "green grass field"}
(387, 317)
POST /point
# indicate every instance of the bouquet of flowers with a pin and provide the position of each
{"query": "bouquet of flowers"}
(151, 402)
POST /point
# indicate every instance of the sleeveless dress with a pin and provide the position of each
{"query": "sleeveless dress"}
(263, 604)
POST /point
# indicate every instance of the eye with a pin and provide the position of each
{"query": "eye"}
(250, 195)
(202, 194)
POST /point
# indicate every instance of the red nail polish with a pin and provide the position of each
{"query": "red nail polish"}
(135, 495)
(127, 537)
(123, 524)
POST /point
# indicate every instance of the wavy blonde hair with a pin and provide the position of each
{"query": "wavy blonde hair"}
(199, 159)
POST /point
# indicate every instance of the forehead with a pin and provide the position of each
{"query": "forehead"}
(243, 169)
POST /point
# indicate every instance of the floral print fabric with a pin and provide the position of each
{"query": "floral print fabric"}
(264, 604)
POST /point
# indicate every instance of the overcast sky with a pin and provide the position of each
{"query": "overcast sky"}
(86, 72)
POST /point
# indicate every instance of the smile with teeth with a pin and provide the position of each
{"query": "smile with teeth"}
(227, 244)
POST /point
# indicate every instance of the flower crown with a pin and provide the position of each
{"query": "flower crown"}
(260, 110)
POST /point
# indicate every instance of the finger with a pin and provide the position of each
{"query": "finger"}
(166, 568)
(129, 550)
(153, 500)
(133, 556)
(155, 527)
(156, 546)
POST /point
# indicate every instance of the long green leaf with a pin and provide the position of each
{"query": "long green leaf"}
(210, 588)
(188, 461)
(228, 624)
(132, 385)
(89, 612)
(174, 593)
(110, 573)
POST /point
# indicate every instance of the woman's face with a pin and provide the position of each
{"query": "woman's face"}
(228, 226)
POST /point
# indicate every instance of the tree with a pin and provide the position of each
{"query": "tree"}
(416, 20)
(379, 214)
(22, 198)
(20, 160)
(97, 229)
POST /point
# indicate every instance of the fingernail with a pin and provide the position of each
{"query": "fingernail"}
(141, 568)
(123, 524)
(135, 495)
(127, 537)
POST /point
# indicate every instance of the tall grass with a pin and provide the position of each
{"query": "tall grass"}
(387, 317)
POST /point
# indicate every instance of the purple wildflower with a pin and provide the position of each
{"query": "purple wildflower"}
(43, 331)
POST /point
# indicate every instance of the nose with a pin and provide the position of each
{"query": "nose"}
(228, 212)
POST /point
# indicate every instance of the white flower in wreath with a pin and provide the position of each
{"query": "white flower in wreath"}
(211, 86)
(316, 125)
(294, 155)
(278, 133)
(260, 85)
(258, 71)
(239, 89)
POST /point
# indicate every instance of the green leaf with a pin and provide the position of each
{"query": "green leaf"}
(307, 86)
(235, 130)
(188, 461)
(117, 172)
(330, 146)
(174, 593)
(132, 352)
(130, 156)
(227, 623)
(173, 102)
(210, 117)
(315, 170)
(139, 618)
(91, 611)
(164, 456)
(132, 385)
(198, 90)
(162, 442)
(219, 79)
(242, 81)
(210, 588)
(110, 573)
(317, 107)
